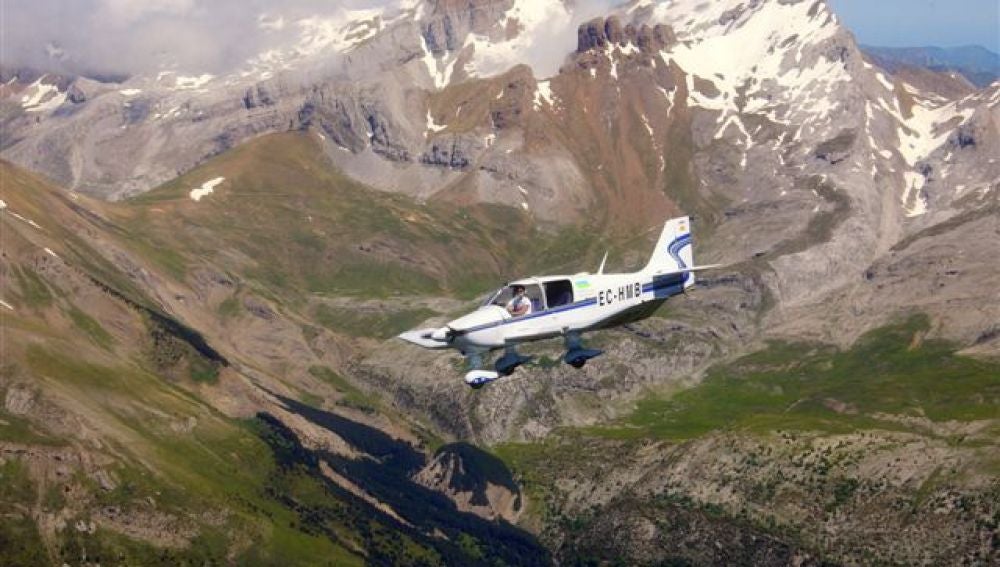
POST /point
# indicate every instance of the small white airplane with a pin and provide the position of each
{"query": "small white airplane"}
(537, 308)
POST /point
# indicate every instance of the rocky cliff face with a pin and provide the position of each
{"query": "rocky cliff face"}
(833, 189)
(838, 195)
(412, 96)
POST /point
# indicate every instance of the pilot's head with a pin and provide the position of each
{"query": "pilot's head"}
(518, 289)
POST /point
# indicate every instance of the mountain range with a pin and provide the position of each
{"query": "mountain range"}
(974, 62)
(202, 275)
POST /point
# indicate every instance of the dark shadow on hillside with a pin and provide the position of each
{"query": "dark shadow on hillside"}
(434, 520)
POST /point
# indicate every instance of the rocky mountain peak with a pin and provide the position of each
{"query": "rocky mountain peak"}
(601, 32)
(449, 22)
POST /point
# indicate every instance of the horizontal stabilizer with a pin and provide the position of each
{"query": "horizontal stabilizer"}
(424, 338)
(687, 270)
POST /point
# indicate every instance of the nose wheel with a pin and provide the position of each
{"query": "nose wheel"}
(476, 377)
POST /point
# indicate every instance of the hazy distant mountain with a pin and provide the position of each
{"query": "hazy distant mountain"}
(976, 63)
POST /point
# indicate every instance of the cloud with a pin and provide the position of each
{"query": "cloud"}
(134, 36)
(547, 53)
(121, 13)
(123, 37)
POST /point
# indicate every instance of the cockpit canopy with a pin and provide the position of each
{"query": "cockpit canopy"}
(544, 295)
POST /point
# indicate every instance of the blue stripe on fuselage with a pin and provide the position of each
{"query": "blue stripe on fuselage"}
(662, 282)
(553, 311)
(661, 288)
(668, 291)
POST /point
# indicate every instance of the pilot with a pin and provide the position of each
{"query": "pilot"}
(519, 304)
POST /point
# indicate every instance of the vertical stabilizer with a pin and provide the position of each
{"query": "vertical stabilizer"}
(674, 250)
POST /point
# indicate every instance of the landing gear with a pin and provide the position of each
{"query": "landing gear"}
(576, 356)
(476, 377)
(511, 359)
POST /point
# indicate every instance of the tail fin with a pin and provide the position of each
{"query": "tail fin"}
(674, 251)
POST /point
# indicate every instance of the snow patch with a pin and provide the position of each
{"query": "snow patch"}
(919, 136)
(433, 126)
(440, 76)
(885, 82)
(26, 220)
(183, 82)
(50, 252)
(3, 206)
(914, 182)
(669, 95)
(743, 63)
(206, 188)
(543, 93)
(42, 97)
(645, 122)
(172, 113)
(7, 305)
(130, 92)
(341, 32)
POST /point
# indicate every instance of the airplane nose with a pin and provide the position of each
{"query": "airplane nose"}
(441, 334)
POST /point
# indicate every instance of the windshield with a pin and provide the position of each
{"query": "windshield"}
(503, 296)
(499, 297)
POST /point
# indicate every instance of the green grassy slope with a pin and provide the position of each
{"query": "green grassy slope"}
(765, 418)
(291, 223)
(890, 374)
(117, 397)
(815, 387)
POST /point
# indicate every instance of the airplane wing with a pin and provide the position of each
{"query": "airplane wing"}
(423, 338)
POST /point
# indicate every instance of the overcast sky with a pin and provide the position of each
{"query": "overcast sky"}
(918, 23)
(128, 36)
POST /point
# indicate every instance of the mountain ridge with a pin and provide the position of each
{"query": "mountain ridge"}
(396, 165)
(976, 63)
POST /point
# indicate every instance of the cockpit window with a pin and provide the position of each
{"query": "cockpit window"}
(558, 292)
(502, 297)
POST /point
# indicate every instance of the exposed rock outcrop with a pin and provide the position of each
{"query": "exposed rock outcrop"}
(601, 32)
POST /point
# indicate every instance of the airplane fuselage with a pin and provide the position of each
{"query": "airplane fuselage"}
(598, 301)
